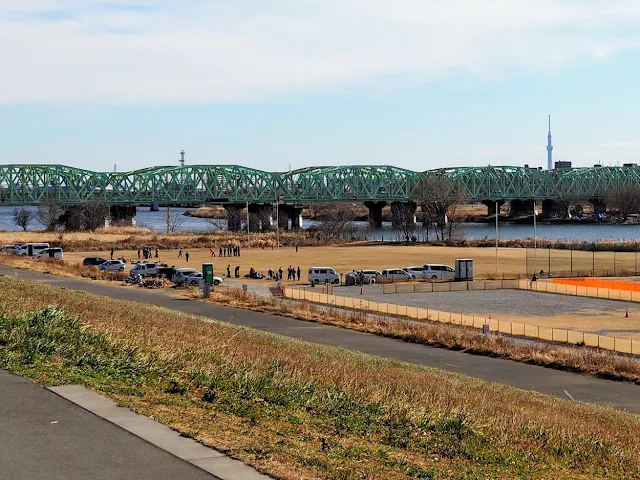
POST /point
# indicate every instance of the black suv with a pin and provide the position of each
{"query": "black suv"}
(93, 261)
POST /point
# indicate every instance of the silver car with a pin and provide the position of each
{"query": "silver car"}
(397, 274)
(112, 265)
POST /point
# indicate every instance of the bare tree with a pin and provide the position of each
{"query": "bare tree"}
(173, 220)
(625, 198)
(93, 215)
(335, 220)
(439, 197)
(22, 217)
(49, 213)
(403, 220)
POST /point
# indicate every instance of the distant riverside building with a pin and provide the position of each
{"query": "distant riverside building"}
(562, 165)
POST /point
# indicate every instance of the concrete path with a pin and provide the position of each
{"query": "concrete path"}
(43, 436)
(528, 377)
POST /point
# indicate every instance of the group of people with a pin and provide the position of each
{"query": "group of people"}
(186, 255)
(228, 251)
(147, 252)
(292, 272)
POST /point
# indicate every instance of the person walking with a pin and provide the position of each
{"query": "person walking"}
(138, 254)
(299, 273)
(238, 250)
(186, 257)
(180, 253)
(157, 252)
(112, 251)
(296, 248)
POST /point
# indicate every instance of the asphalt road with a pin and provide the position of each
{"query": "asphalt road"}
(45, 436)
(528, 377)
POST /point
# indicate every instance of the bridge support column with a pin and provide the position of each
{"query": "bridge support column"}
(122, 215)
(403, 213)
(375, 213)
(290, 217)
(260, 217)
(491, 206)
(520, 208)
(598, 205)
(552, 208)
(154, 207)
(234, 216)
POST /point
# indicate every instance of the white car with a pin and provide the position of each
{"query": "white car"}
(144, 270)
(8, 248)
(397, 274)
(112, 265)
(438, 272)
(194, 278)
(417, 272)
(51, 252)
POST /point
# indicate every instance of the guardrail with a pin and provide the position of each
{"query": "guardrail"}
(560, 335)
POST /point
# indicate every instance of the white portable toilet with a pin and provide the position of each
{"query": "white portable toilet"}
(464, 270)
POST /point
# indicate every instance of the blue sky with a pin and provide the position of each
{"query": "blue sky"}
(418, 84)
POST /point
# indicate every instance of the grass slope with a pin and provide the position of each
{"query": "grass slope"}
(301, 411)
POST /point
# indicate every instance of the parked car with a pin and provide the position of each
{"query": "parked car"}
(417, 272)
(181, 275)
(8, 248)
(438, 272)
(112, 265)
(397, 274)
(51, 252)
(193, 278)
(323, 275)
(30, 249)
(93, 261)
(144, 270)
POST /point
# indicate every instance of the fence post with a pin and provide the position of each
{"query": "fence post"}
(538, 332)
(598, 341)
(552, 334)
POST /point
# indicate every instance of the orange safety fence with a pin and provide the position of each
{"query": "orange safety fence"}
(599, 283)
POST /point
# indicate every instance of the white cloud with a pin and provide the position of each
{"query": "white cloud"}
(115, 52)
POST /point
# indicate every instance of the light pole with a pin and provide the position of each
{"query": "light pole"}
(248, 235)
(497, 238)
(278, 202)
(535, 239)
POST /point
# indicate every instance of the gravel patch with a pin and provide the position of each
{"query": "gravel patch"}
(506, 302)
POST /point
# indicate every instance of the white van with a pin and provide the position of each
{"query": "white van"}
(438, 272)
(397, 274)
(144, 270)
(51, 252)
(323, 275)
(30, 249)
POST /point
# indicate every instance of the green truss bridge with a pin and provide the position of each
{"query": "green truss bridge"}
(227, 184)
(233, 185)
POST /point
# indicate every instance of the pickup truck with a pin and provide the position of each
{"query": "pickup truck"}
(144, 270)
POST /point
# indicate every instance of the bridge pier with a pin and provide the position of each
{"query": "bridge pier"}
(122, 215)
(260, 217)
(234, 216)
(551, 207)
(599, 206)
(491, 206)
(290, 217)
(375, 213)
(154, 207)
(520, 208)
(403, 213)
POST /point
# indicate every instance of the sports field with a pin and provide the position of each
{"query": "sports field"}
(347, 258)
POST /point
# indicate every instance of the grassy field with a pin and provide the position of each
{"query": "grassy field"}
(584, 360)
(301, 411)
(345, 258)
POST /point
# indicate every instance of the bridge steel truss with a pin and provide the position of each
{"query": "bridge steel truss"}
(228, 184)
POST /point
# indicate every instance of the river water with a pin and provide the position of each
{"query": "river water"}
(577, 232)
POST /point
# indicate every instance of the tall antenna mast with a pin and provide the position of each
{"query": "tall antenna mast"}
(182, 158)
(549, 148)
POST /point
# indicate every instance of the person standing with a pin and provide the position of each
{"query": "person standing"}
(299, 273)
(180, 252)
(228, 271)
(138, 254)
(157, 252)
(186, 257)
(237, 271)
(280, 273)
(112, 251)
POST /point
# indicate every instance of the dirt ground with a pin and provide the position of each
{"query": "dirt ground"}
(593, 315)
(347, 258)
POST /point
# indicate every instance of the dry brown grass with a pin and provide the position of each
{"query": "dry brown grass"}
(482, 430)
(598, 363)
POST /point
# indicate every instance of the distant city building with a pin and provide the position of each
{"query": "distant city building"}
(562, 165)
(629, 164)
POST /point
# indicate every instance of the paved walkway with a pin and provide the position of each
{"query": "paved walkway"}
(528, 377)
(43, 436)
